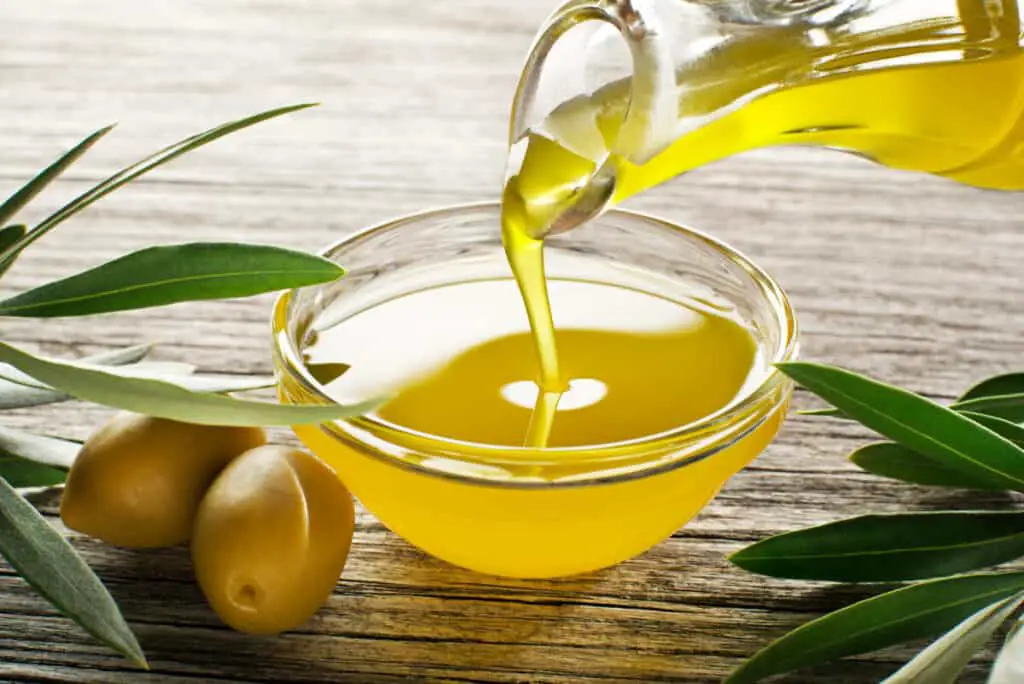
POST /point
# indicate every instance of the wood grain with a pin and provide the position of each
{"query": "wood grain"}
(912, 278)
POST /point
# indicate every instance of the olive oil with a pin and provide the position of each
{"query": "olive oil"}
(635, 364)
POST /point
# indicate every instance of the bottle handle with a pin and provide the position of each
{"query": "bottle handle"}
(651, 109)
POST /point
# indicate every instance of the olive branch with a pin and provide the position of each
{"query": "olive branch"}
(124, 379)
(976, 443)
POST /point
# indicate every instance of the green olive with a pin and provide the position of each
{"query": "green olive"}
(271, 539)
(138, 481)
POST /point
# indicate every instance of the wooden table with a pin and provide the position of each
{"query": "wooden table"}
(911, 278)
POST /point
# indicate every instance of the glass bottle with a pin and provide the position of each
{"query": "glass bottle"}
(617, 96)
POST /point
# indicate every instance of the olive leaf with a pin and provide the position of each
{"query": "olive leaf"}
(51, 451)
(52, 566)
(823, 413)
(943, 660)
(158, 276)
(8, 236)
(890, 548)
(898, 616)
(132, 172)
(1009, 665)
(166, 400)
(915, 422)
(1008, 429)
(23, 394)
(33, 394)
(978, 443)
(997, 385)
(148, 278)
(120, 357)
(896, 462)
(13, 235)
(19, 390)
(207, 382)
(900, 463)
(1001, 396)
(21, 473)
(16, 202)
(1007, 406)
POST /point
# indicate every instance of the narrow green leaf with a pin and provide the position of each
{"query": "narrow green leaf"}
(179, 374)
(49, 563)
(913, 612)
(18, 390)
(19, 396)
(823, 412)
(897, 462)
(166, 400)
(132, 172)
(51, 451)
(1001, 396)
(207, 383)
(22, 392)
(27, 192)
(158, 276)
(890, 548)
(21, 473)
(1009, 665)
(147, 369)
(120, 357)
(8, 236)
(11, 234)
(1006, 406)
(915, 422)
(33, 393)
(944, 660)
(999, 385)
(1010, 430)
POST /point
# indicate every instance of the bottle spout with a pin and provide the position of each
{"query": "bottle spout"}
(589, 46)
(576, 119)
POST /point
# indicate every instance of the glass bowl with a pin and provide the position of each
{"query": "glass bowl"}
(528, 512)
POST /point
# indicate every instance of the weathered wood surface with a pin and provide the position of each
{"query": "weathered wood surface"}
(914, 279)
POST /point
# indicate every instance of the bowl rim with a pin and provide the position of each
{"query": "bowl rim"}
(287, 359)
